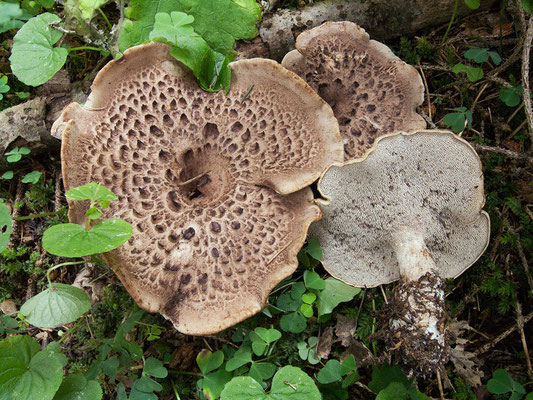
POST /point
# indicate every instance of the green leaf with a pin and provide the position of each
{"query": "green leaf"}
(7, 175)
(495, 57)
(27, 373)
(243, 388)
(334, 293)
(306, 310)
(289, 383)
(348, 365)
(16, 154)
(5, 225)
(477, 55)
(313, 280)
(72, 240)
(474, 74)
(93, 213)
(34, 60)
(56, 306)
(88, 7)
(144, 388)
(258, 347)
(77, 387)
(268, 335)
(262, 371)
(241, 357)
(511, 96)
(330, 373)
(12, 16)
(46, 3)
(4, 87)
(293, 322)
(472, 4)
(350, 379)
(502, 383)
(287, 303)
(208, 361)
(385, 375)
(154, 367)
(456, 121)
(313, 248)
(303, 258)
(214, 383)
(110, 366)
(527, 5)
(32, 177)
(92, 192)
(308, 298)
(394, 391)
(458, 68)
(221, 22)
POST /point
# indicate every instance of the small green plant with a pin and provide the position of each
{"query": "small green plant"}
(12, 16)
(458, 120)
(389, 382)
(16, 154)
(60, 303)
(502, 383)
(4, 87)
(479, 56)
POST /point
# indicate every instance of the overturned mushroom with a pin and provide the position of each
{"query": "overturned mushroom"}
(411, 210)
(371, 91)
(198, 175)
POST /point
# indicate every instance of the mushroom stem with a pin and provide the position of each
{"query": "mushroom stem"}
(417, 326)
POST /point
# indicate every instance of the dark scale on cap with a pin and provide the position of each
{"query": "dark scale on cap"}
(189, 233)
(215, 227)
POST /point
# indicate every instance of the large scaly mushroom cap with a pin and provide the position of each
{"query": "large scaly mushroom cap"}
(372, 92)
(413, 190)
(198, 175)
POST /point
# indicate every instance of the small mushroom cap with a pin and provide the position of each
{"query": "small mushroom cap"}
(427, 182)
(198, 174)
(371, 91)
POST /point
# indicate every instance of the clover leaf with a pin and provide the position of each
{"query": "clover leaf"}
(334, 293)
(5, 225)
(32, 177)
(78, 387)
(502, 383)
(4, 87)
(16, 154)
(458, 120)
(12, 16)
(34, 60)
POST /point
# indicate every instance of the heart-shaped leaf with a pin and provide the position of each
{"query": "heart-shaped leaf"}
(34, 60)
(332, 372)
(56, 306)
(154, 367)
(268, 335)
(208, 361)
(214, 383)
(91, 191)
(76, 387)
(73, 240)
(27, 373)
(293, 322)
(262, 371)
(241, 357)
(334, 293)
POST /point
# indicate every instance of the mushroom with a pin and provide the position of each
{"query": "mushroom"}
(371, 91)
(410, 210)
(204, 178)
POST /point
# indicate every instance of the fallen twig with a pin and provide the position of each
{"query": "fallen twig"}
(508, 153)
(525, 75)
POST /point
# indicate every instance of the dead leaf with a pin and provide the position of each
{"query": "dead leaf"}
(506, 29)
(324, 343)
(345, 330)
(464, 361)
(8, 307)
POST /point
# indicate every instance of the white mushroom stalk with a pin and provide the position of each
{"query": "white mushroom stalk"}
(410, 210)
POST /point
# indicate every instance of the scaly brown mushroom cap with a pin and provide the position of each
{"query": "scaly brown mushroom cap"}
(372, 92)
(197, 175)
(412, 191)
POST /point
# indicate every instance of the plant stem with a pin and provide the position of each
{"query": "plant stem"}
(83, 48)
(450, 24)
(105, 18)
(67, 333)
(61, 265)
(42, 215)
(185, 373)
(374, 349)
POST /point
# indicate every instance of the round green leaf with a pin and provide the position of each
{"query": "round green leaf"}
(243, 388)
(332, 372)
(5, 226)
(34, 60)
(91, 191)
(208, 361)
(7, 175)
(32, 177)
(27, 373)
(268, 335)
(214, 383)
(72, 240)
(308, 298)
(293, 322)
(313, 280)
(313, 249)
(510, 96)
(77, 387)
(306, 310)
(334, 293)
(56, 306)
(291, 383)
(154, 367)
(241, 357)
